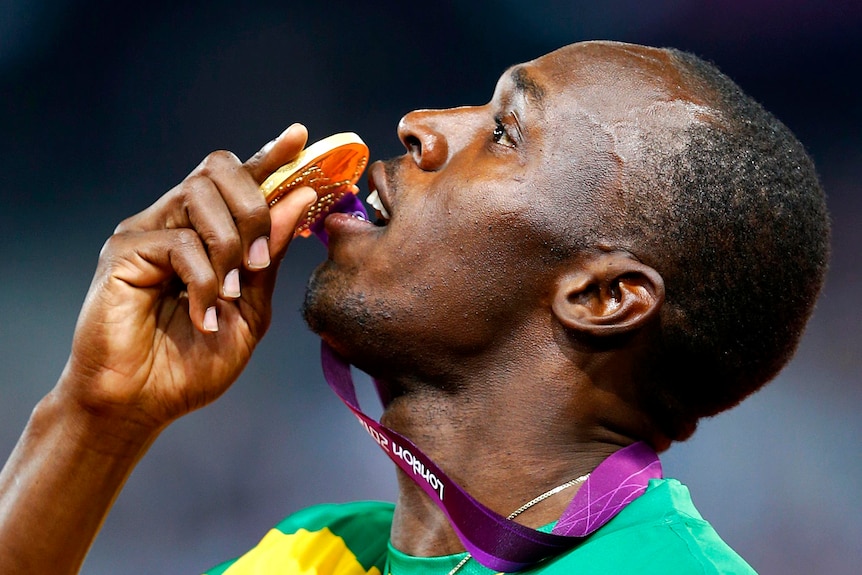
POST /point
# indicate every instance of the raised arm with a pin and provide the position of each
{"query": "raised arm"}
(181, 297)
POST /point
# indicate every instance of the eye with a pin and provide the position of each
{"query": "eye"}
(501, 135)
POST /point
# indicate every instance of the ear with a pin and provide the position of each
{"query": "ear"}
(608, 294)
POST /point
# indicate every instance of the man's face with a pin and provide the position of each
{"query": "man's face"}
(478, 206)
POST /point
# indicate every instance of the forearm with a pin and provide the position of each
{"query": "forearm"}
(58, 486)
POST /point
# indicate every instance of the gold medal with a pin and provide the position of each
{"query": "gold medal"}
(329, 166)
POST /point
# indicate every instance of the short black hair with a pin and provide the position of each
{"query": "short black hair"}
(741, 239)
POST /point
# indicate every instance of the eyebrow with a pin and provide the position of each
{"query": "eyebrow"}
(526, 84)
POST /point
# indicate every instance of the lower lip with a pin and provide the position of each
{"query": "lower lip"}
(338, 223)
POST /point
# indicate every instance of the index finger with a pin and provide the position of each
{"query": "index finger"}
(277, 152)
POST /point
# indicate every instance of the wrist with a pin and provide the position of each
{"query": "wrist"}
(102, 432)
(60, 481)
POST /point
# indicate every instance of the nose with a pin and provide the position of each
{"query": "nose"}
(420, 132)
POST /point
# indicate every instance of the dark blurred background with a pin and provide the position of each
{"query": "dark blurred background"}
(106, 105)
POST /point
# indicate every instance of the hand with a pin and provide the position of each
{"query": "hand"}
(182, 293)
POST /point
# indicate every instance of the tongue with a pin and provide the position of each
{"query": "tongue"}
(348, 204)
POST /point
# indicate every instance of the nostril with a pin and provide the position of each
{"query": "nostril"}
(419, 132)
(413, 145)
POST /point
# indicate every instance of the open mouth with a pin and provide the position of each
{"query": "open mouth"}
(379, 209)
(379, 197)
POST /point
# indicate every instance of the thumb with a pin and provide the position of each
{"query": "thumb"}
(285, 216)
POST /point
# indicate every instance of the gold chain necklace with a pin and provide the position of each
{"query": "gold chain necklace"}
(523, 508)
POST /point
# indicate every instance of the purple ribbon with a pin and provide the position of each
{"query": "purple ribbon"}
(493, 540)
(349, 203)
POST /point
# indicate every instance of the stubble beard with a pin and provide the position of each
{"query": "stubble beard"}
(380, 336)
(346, 318)
(330, 309)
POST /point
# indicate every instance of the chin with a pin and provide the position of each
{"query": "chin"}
(322, 304)
(340, 315)
(377, 332)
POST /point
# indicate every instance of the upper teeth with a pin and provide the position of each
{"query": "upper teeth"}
(374, 201)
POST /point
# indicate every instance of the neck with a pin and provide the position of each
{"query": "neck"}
(506, 425)
(502, 456)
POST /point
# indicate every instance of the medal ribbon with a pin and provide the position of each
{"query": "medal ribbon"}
(493, 540)
(348, 204)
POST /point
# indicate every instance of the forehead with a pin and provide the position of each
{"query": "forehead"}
(610, 98)
(603, 79)
(591, 112)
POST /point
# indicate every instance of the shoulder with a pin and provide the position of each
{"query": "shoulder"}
(354, 536)
(660, 532)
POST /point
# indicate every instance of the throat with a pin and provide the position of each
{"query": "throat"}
(531, 480)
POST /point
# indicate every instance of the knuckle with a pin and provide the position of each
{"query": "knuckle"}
(123, 227)
(259, 214)
(256, 219)
(109, 247)
(202, 282)
(222, 247)
(218, 161)
(187, 251)
(187, 239)
(194, 186)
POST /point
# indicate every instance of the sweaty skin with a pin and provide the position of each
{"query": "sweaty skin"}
(458, 306)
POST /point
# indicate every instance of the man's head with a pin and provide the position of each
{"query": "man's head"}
(728, 208)
(609, 199)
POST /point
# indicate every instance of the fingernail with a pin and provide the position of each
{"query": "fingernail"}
(231, 284)
(211, 319)
(258, 254)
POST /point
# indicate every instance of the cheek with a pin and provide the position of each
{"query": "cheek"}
(485, 248)
(488, 279)
(456, 294)
(433, 296)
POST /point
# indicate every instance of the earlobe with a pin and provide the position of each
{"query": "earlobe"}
(608, 294)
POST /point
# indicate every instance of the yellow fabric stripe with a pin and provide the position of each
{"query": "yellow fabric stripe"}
(302, 553)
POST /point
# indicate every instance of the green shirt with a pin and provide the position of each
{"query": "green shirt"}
(659, 532)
